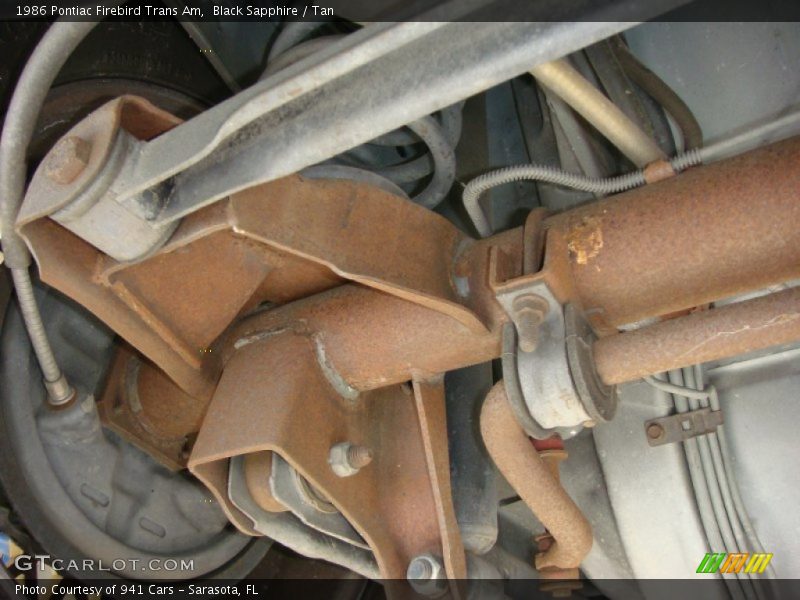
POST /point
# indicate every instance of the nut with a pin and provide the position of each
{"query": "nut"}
(529, 312)
(347, 459)
(67, 159)
(426, 575)
(59, 392)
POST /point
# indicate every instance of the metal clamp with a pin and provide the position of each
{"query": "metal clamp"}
(682, 426)
(552, 364)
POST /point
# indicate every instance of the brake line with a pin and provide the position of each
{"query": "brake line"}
(34, 83)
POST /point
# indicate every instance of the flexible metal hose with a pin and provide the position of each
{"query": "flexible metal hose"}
(33, 323)
(479, 185)
(612, 185)
(598, 186)
(23, 111)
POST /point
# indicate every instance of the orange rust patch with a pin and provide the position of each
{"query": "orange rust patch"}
(585, 240)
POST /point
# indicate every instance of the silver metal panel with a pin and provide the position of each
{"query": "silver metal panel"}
(650, 491)
(760, 398)
(732, 75)
(360, 87)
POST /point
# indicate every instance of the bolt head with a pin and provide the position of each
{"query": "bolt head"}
(426, 575)
(655, 431)
(68, 158)
(530, 311)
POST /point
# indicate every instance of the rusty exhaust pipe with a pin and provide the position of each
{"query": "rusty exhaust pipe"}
(700, 337)
(713, 232)
(526, 472)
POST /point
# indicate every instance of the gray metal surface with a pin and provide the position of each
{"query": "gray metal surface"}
(714, 67)
(84, 492)
(287, 529)
(126, 493)
(285, 486)
(732, 75)
(337, 116)
(759, 399)
(650, 490)
(348, 93)
(102, 221)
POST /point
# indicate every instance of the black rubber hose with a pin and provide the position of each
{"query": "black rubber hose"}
(655, 87)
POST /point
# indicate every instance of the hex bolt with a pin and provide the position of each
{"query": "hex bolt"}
(426, 575)
(529, 313)
(347, 459)
(68, 158)
(655, 431)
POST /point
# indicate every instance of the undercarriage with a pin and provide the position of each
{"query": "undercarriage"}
(447, 304)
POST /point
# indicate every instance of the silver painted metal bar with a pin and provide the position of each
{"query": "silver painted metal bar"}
(449, 63)
(370, 83)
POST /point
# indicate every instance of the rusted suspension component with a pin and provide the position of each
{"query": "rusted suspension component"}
(700, 337)
(645, 253)
(367, 339)
(710, 233)
(144, 406)
(398, 502)
(257, 472)
(278, 242)
(524, 469)
(298, 308)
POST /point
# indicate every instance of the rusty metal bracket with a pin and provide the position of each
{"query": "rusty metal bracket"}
(147, 409)
(274, 396)
(682, 426)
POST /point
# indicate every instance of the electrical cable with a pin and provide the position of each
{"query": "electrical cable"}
(709, 397)
(696, 475)
(725, 519)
